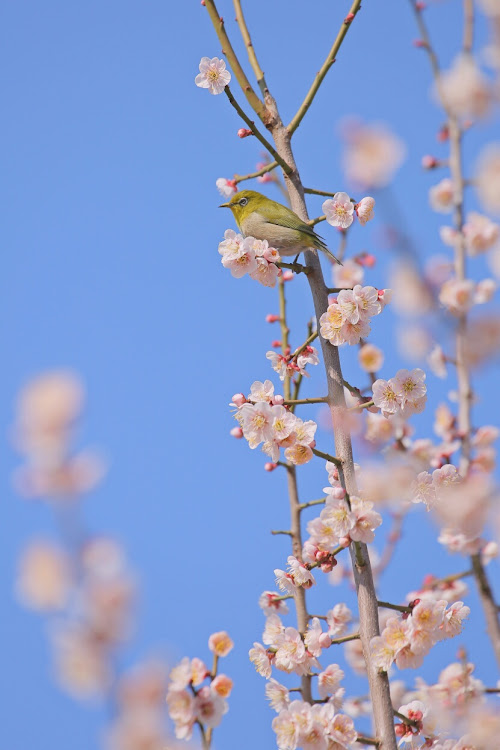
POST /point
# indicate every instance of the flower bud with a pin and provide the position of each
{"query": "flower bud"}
(270, 318)
(278, 400)
(244, 133)
(429, 162)
(419, 43)
(276, 344)
(270, 466)
(239, 399)
(344, 541)
(288, 275)
(349, 18)
(420, 5)
(236, 432)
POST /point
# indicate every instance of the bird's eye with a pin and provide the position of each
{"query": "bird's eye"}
(243, 201)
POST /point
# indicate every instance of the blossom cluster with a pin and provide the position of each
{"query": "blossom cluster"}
(318, 727)
(248, 255)
(431, 488)
(407, 639)
(338, 524)
(290, 365)
(404, 394)
(480, 232)
(347, 319)
(459, 295)
(189, 700)
(340, 210)
(264, 419)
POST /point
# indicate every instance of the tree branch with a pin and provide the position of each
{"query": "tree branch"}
(259, 73)
(227, 49)
(292, 127)
(268, 168)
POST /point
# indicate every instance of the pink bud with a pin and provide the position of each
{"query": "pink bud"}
(338, 493)
(272, 318)
(287, 351)
(202, 2)
(312, 444)
(288, 275)
(278, 400)
(344, 541)
(419, 43)
(276, 344)
(443, 134)
(429, 162)
(270, 466)
(236, 432)
(244, 133)
(324, 640)
(239, 399)
(400, 730)
(349, 18)
(420, 5)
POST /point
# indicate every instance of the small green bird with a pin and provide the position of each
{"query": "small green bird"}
(264, 219)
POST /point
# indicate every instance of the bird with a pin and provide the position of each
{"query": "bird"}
(260, 217)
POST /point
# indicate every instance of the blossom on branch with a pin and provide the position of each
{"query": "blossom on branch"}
(347, 318)
(404, 394)
(248, 255)
(213, 75)
(339, 210)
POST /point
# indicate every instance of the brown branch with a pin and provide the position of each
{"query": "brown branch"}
(256, 132)
(465, 393)
(397, 607)
(259, 73)
(292, 127)
(227, 49)
(468, 26)
(258, 173)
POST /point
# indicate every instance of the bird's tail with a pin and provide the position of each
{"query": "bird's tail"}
(322, 246)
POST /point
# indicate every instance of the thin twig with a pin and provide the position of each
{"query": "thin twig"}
(252, 175)
(306, 343)
(292, 127)
(298, 401)
(259, 73)
(397, 607)
(327, 457)
(257, 132)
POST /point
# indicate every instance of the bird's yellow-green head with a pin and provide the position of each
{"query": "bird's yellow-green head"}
(244, 203)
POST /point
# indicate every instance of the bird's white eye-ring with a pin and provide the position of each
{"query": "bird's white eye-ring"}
(243, 201)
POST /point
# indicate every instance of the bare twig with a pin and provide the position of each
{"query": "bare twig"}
(325, 67)
(259, 73)
(258, 173)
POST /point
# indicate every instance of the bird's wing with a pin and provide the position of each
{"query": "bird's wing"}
(289, 219)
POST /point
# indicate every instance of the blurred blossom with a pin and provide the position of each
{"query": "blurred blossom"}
(441, 196)
(483, 340)
(47, 408)
(347, 275)
(139, 730)
(491, 8)
(438, 269)
(226, 188)
(414, 342)
(75, 476)
(437, 361)
(44, 577)
(143, 686)
(220, 643)
(107, 605)
(103, 557)
(372, 153)
(487, 180)
(81, 662)
(466, 91)
(480, 232)
(370, 358)
(410, 295)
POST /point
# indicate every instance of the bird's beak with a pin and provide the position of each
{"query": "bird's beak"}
(225, 205)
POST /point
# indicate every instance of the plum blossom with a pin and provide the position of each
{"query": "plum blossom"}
(480, 233)
(404, 394)
(337, 619)
(44, 577)
(364, 210)
(370, 358)
(441, 196)
(372, 155)
(298, 575)
(213, 75)
(226, 188)
(209, 707)
(430, 489)
(261, 659)
(290, 365)
(347, 318)
(347, 275)
(458, 295)
(465, 90)
(270, 603)
(437, 361)
(277, 695)
(329, 680)
(488, 178)
(248, 255)
(315, 727)
(220, 643)
(339, 210)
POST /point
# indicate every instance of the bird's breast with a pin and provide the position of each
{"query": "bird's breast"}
(287, 241)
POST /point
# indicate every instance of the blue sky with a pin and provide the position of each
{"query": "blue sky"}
(109, 236)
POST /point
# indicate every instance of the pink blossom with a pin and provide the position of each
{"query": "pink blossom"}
(383, 654)
(453, 619)
(260, 658)
(329, 680)
(409, 386)
(437, 362)
(364, 210)
(480, 233)
(237, 254)
(286, 731)
(260, 391)
(457, 295)
(270, 603)
(220, 643)
(273, 631)
(338, 619)
(488, 177)
(370, 358)
(339, 210)
(372, 155)
(265, 273)
(226, 188)
(385, 397)
(347, 275)
(291, 651)
(213, 75)
(277, 695)
(209, 707)
(465, 90)
(441, 196)
(44, 577)
(365, 520)
(312, 638)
